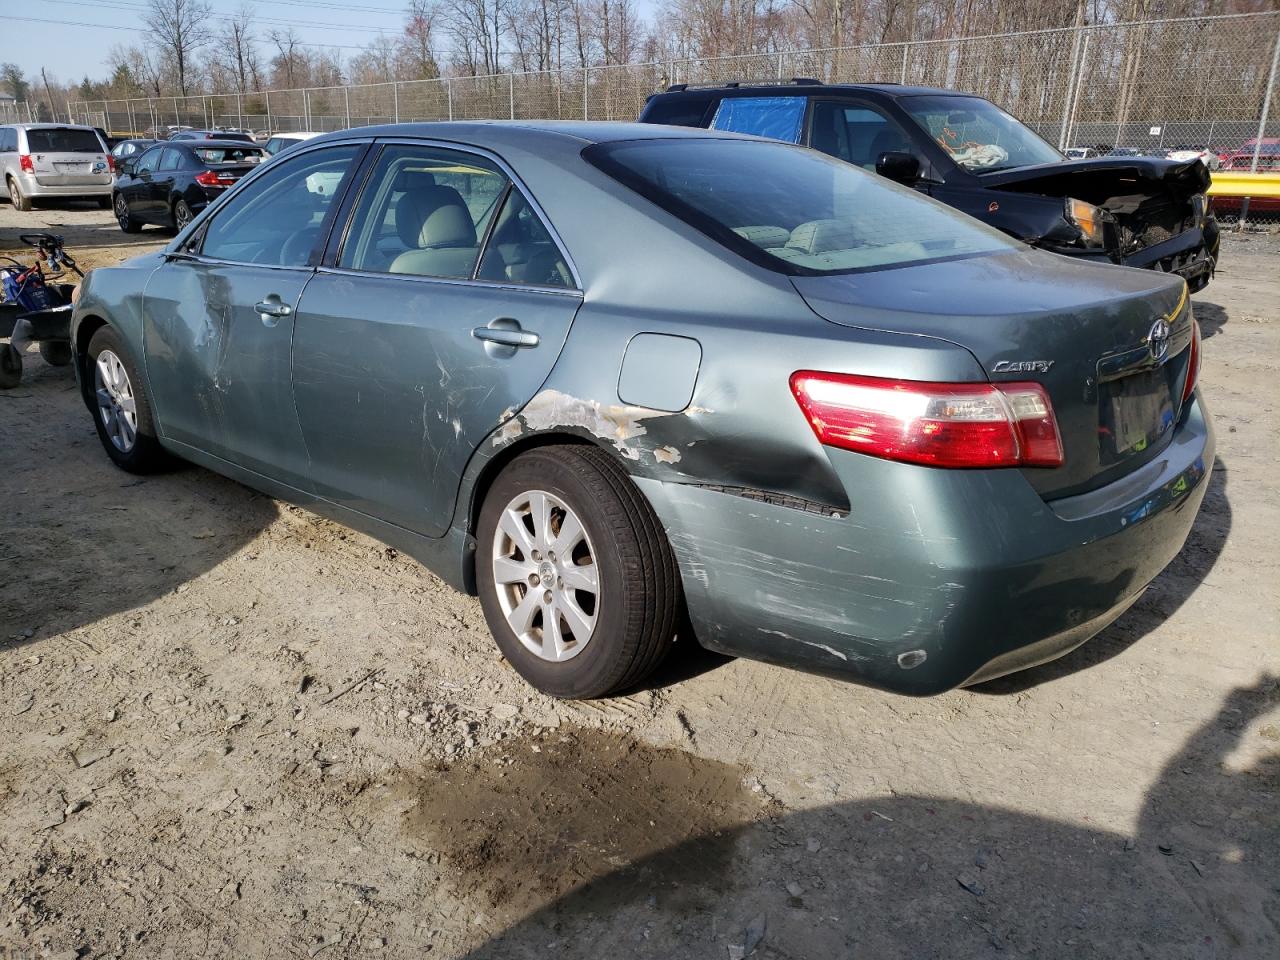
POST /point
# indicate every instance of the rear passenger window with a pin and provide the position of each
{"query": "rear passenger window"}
(424, 212)
(778, 118)
(171, 160)
(677, 111)
(520, 249)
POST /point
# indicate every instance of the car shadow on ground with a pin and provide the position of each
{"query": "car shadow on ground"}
(1211, 317)
(64, 565)
(919, 876)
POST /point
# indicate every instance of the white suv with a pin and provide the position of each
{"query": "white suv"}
(54, 160)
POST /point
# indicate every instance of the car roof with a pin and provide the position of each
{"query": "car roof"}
(53, 126)
(495, 133)
(205, 144)
(806, 89)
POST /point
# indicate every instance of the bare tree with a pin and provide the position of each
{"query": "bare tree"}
(180, 28)
(237, 48)
(419, 57)
(286, 62)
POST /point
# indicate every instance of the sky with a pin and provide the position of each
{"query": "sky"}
(71, 37)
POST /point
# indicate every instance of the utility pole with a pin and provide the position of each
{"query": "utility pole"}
(53, 111)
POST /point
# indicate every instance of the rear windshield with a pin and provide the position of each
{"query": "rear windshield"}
(63, 140)
(230, 154)
(792, 209)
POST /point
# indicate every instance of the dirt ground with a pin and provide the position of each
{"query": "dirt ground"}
(229, 728)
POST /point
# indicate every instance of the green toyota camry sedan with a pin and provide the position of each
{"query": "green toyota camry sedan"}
(607, 375)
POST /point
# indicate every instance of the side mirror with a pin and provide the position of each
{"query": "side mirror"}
(901, 167)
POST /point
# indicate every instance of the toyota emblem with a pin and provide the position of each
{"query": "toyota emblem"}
(1158, 339)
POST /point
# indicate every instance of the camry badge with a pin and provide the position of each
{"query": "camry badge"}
(1158, 339)
(1022, 366)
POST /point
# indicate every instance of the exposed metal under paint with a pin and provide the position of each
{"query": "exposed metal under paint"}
(615, 423)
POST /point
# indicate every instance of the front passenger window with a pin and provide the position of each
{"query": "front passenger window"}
(277, 218)
(855, 134)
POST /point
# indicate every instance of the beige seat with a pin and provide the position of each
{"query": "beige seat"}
(434, 223)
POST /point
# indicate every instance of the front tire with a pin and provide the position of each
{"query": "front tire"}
(123, 217)
(577, 581)
(122, 410)
(19, 199)
(182, 215)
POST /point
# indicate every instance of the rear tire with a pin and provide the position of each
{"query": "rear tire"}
(116, 392)
(10, 366)
(632, 592)
(56, 353)
(19, 199)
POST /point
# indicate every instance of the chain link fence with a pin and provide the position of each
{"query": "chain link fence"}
(1149, 87)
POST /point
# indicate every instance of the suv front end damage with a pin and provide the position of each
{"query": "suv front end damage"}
(1133, 211)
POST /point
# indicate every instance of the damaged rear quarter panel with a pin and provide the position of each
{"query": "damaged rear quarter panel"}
(743, 429)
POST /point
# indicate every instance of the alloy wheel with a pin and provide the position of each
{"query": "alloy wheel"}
(182, 215)
(545, 575)
(116, 403)
(122, 211)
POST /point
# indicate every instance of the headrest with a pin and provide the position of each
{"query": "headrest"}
(434, 216)
(820, 236)
(410, 179)
(764, 235)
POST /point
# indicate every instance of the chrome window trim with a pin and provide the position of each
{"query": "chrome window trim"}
(573, 292)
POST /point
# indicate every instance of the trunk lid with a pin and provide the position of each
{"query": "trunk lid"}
(1084, 331)
(1150, 198)
(67, 157)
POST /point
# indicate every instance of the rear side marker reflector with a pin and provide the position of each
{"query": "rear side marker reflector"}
(936, 424)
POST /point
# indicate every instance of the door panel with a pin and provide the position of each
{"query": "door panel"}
(218, 326)
(394, 392)
(219, 370)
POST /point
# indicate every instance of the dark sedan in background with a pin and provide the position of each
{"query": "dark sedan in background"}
(170, 182)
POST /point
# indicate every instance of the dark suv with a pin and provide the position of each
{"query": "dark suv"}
(967, 152)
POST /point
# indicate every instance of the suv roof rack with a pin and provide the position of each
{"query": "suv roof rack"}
(734, 84)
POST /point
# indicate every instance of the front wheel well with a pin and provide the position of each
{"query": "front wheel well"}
(84, 333)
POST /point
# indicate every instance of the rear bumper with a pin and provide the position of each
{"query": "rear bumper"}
(936, 578)
(99, 187)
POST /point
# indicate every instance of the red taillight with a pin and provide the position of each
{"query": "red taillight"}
(937, 424)
(211, 179)
(111, 164)
(24, 161)
(1193, 363)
